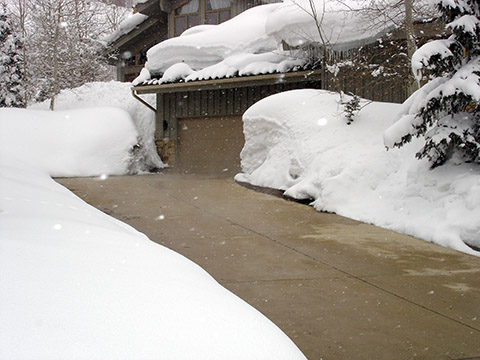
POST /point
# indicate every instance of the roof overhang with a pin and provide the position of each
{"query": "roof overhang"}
(124, 40)
(154, 8)
(230, 83)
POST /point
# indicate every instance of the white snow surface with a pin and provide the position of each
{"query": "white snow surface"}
(210, 45)
(115, 94)
(298, 141)
(420, 58)
(342, 25)
(466, 80)
(126, 26)
(77, 284)
(86, 142)
(251, 42)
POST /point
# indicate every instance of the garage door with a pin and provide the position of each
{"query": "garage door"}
(210, 145)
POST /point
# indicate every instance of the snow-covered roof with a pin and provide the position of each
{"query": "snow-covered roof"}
(251, 43)
(126, 26)
(342, 26)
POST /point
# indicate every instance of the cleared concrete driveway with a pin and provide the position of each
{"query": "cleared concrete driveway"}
(339, 288)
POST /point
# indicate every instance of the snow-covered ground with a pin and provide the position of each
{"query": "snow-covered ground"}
(78, 284)
(299, 141)
(119, 95)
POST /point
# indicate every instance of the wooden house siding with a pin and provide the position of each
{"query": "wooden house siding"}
(211, 100)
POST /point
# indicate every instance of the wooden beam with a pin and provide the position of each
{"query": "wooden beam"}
(229, 83)
(150, 8)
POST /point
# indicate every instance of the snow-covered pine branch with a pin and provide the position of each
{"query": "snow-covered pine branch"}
(446, 110)
(11, 72)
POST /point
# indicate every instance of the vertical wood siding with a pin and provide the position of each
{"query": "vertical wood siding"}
(222, 102)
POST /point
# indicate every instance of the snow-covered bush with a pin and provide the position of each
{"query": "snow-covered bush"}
(446, 110)
(351, 108)
(11, 89)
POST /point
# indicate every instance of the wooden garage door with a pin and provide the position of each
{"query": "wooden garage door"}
(210, 145)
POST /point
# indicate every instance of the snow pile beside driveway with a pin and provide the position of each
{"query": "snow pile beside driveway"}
(298, 141)
(119, 95)
(78, 284)
(84, 142)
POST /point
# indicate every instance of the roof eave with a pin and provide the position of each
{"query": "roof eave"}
(126, 38)
(229, 83)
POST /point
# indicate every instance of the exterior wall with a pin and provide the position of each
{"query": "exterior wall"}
(363, 83)
(207, 103)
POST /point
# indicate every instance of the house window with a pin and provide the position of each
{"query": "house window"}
(217, 11)
(197, 12)
(186, 16)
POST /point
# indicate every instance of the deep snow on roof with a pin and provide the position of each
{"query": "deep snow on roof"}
(252, 42)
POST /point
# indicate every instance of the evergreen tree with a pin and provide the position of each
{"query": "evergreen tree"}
(446, 110)
(11, 89)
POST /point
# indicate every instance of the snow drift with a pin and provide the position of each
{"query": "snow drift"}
(86, 142)
(298, 141)
(119, 95)
(78, 284)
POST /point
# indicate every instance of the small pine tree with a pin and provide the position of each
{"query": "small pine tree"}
(446, 110)
(11, 75)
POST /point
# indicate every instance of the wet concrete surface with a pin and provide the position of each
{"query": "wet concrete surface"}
(339, 288)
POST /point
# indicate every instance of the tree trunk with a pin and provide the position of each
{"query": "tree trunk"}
(411, 45)
(55, 57)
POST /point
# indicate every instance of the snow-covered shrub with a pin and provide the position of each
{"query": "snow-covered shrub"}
(446, 110)
(11, 75)
(351, 108)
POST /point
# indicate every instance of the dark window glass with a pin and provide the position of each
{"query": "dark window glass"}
(142, 59)
(180, 25)
(130, 61)
(223, 15)
(193, 20)
(211, 18)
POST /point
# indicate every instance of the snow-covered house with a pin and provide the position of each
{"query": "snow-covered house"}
(204, 77)
(156, 20)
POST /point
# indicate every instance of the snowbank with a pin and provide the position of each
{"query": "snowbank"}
(78, 284)
(116, 94)
(298, 141)
(85, 142)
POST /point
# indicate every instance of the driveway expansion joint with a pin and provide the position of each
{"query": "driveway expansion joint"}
(348, 311)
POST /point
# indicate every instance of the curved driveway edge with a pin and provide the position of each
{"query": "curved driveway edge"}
(339, 288)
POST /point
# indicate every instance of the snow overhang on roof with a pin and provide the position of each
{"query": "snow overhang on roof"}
(251, 43)
(231, 83)
(132, 28)
(131, 23)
